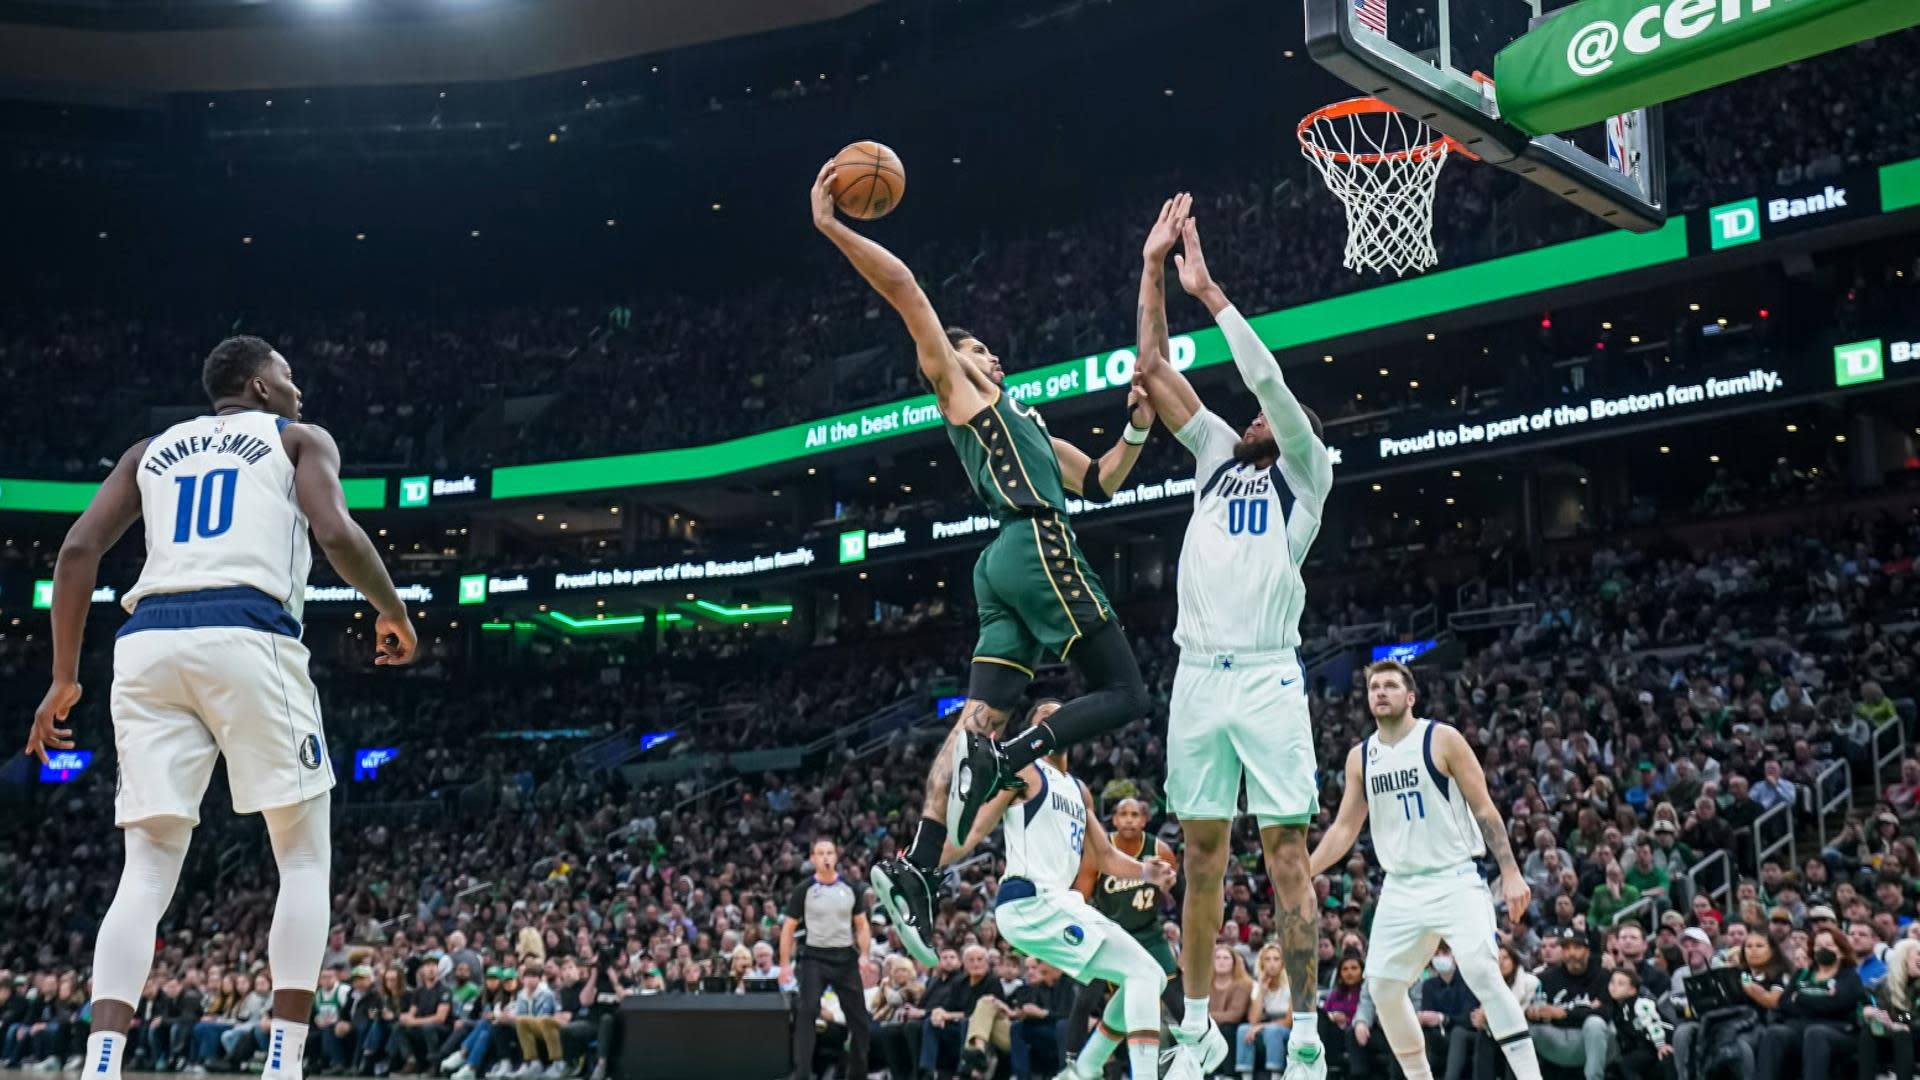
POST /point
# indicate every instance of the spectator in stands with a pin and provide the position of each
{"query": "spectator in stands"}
(424, 1023)
(535, 1023)
(1269, 1015)
(1645, 1047)
(1568, 1023)
(332, 1003)
(175, 1011)
(949, 1007)
(1039, 1008)
(895, 1007)
(1817, 1013)
(1887, 1029)
(1611, 898)
(1446, 1018)
(1773, 789)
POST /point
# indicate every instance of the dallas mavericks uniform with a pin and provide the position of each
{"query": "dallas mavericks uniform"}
(1037, 909)
(1239, 699)
(1426, 840)
(211, 662)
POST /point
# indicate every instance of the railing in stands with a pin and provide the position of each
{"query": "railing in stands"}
(1491, 618)
(1832, 792)
(1763, 848)
(1654, 906)
(1718, 888)
(1889, 748)
(1421, 623)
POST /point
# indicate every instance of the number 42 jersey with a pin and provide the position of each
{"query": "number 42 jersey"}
(216, 493)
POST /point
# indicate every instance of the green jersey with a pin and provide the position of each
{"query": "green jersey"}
(1132, 903)
(1009, 460)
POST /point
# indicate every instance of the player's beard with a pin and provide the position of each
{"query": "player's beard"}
(1254, 451)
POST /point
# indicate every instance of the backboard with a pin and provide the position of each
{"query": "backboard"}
(1426, 58)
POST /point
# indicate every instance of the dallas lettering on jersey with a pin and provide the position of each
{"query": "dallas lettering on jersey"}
(1388, 783)
(244, 446)
(1072, 807)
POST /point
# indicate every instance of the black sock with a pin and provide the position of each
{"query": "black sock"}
(1118, 698)
(928, 841)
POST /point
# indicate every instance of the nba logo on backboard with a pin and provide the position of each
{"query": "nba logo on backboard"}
(1619, 156)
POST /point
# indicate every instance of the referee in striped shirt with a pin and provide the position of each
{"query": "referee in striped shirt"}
(832, 911)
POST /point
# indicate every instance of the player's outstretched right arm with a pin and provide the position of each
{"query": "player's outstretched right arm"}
(316, 484)
(1340, 837)
(1169, 391)
(960, 399)
(1303, 456)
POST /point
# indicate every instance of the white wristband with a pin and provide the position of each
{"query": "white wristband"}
(1135, 436)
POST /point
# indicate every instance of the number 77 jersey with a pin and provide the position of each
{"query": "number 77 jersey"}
(216, 494)
(1420, 820)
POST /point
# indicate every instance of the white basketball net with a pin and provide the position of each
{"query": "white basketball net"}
(1384, 166)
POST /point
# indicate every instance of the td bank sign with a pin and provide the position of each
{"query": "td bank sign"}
(1866, 361)
(1747, 221)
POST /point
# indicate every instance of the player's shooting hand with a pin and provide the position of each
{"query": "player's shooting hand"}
(394, 643)
(47, 734)
(1166, 229)
(822, 197)
(1195, 278)
(1158, 872)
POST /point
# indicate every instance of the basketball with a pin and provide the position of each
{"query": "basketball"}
(870, 180)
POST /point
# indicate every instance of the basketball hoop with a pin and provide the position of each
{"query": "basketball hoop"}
(1384, 166)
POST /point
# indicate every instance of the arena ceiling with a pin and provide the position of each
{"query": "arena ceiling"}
(120, 47)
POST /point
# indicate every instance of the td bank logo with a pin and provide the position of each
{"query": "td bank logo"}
(473, 589)
(42, 594)
(415, 491)
(1733, 224)
(853, 546)
(1860, 362)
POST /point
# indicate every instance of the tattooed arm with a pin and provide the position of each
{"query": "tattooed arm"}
(1457, 761)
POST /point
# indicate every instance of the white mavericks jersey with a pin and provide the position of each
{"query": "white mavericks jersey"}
(1421, 823)
(217, 496)
(1240, 584)
(1047, 832)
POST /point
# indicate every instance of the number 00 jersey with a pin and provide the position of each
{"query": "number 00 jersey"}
(1240, 587)
(1420, 820)
(1047, 831)
(217, 496)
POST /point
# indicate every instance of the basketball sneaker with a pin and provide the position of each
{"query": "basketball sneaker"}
(907, 892)
(979, 773)
(1210, 1049)
(1306, 1061)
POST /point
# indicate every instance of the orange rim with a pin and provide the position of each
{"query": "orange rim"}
(1355, 107)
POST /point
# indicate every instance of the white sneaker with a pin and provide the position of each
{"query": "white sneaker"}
(48, 1064)
(72, 1064)
(452, 1061)
(530, 1069)
(464, 1072)
(1210, 1049)
(1182, 1064)
(556, 1070)
(500, 1068)
(1306, 1061)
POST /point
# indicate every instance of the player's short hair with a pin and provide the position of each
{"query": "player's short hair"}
(956, 335)
(232, 363)
(1380, 667)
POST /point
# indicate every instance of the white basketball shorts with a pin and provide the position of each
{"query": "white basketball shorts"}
(1419, 911)
(1236, 715)
(1060, 928)
(211, 673)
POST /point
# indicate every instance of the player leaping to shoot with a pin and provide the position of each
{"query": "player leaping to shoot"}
(1033, 585)
(1239, 702)
(1427, 797)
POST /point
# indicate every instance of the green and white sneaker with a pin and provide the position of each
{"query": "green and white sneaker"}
(1306, 1061)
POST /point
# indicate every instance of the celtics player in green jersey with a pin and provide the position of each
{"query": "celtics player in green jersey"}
(1033, 586)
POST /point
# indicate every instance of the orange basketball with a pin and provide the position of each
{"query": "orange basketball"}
(870, 180)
